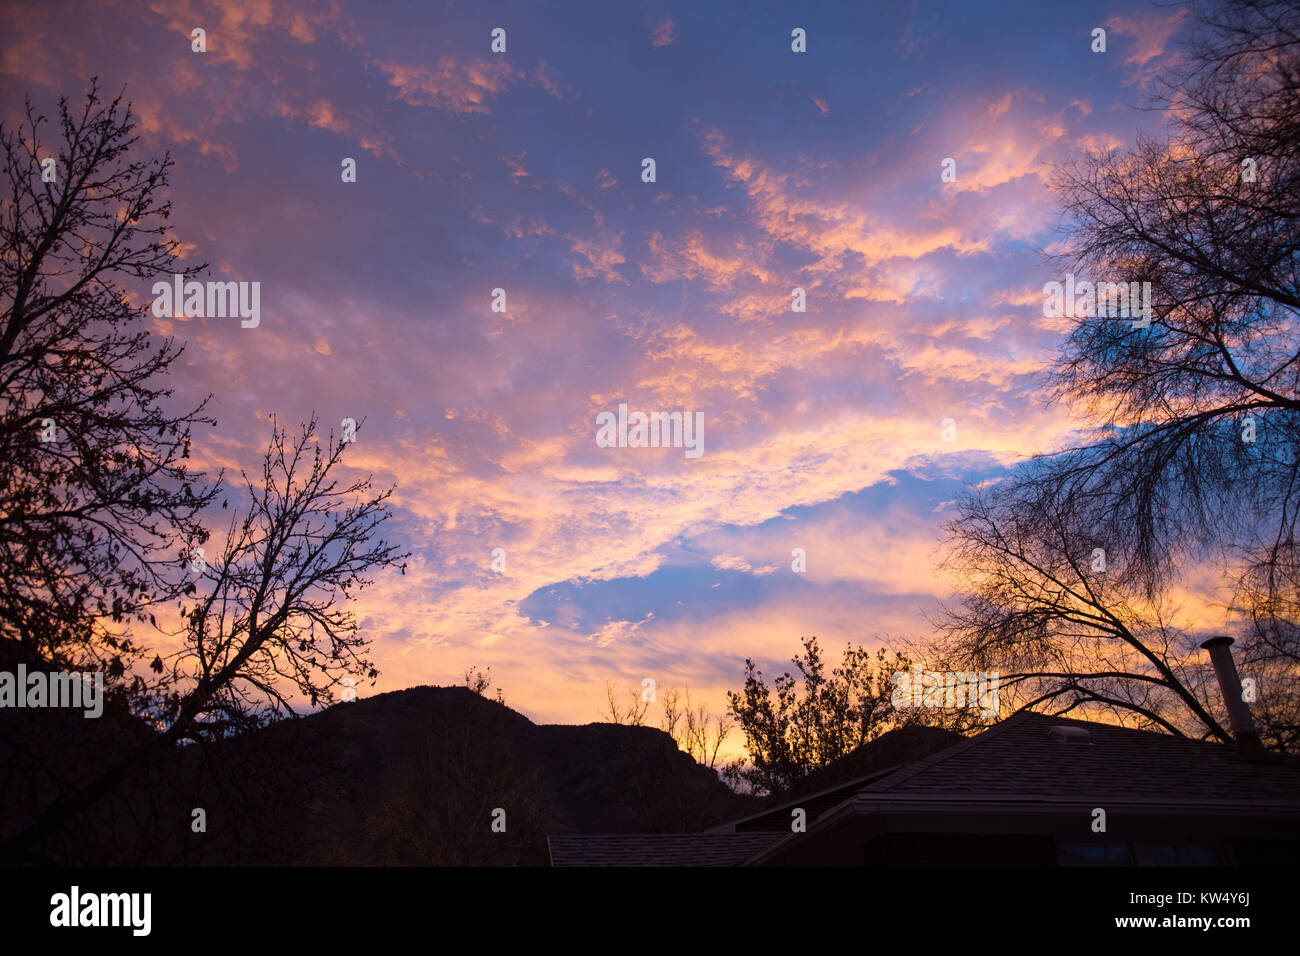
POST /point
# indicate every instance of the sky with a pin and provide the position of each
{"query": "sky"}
(823, 430)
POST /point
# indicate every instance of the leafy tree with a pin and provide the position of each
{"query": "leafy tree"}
(479, 681)
(791, 730)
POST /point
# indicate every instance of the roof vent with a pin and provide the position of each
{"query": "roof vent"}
(1070, 735)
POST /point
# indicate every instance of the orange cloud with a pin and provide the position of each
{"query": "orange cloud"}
(602, 255)
(690, 258)
(451, 86)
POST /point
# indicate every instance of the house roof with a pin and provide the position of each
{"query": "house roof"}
(872, 761)
(1019, 758)
(1020, 762)
(1017, 762)
(657, 849)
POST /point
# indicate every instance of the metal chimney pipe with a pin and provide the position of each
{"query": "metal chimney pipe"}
(1243, 726)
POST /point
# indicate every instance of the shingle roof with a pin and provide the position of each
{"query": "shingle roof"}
(1018, 762)
(657, 849)
(1015, 761)
(1018, 759)
(872, 760)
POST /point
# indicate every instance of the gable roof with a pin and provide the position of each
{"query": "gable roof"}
(1019, 762)
(1019, 758)
(871, 761)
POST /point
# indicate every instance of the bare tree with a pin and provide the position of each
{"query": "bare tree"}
(275, 612)
(695, 731)
(631, 715)
(693, 728)
(96, 496)
(1195, 454)
(269, 618)
(1067, 625)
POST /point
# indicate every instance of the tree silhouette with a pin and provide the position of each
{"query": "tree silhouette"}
(790, 731)
(96, 495)
(632, 715)
(1195, 454)
(100, 514)
(693, 728)
(269, 617)
(480, 680)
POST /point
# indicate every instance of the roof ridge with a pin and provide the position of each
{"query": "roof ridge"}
(1167, 738)
(925, 763)
(874, 775)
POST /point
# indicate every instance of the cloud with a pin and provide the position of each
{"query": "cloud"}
(515, 163)
(548, 79)
(663, 34)
(828, 227)
(156, 122)
(1151, 31)
(461, 87)
(320, 113)
(240, 32)
(822, 429)
(691, 257)
(619, 632)
(734, 562)
(602, 257)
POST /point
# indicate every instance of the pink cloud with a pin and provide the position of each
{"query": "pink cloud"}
(452, 86)
(663, 34)
(547, 79)
(1151, 31)
(602, 257)
(691, 257)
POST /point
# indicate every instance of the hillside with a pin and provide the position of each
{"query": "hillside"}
(412, 777)
(409, 777)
